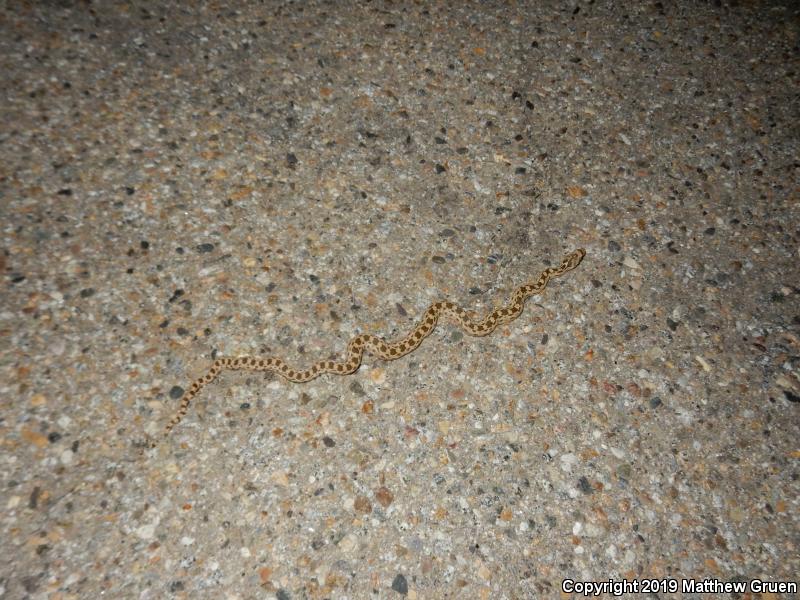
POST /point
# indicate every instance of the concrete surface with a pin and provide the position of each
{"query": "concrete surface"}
(179, 180)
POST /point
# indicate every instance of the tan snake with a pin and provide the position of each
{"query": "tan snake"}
(378, 346)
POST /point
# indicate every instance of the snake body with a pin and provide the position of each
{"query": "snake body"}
(378, 346)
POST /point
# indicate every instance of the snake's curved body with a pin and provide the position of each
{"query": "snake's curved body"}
(378, 346)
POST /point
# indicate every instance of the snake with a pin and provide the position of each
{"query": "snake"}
(378, 346)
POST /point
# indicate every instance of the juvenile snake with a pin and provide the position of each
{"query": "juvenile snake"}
(378, 346)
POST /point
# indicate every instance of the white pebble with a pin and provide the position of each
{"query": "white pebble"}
(568, 460)
(630, 263)
(146, 532)
(617, 452)
(703, 363)
(66, 457)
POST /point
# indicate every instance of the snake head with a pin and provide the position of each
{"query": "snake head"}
(572, 260)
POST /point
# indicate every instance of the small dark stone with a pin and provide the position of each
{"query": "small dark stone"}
(30, 583)
(475, 291)
(33, 499)
(244, 406)
(400, 585)
(53, 437)
(357, 389)
(17, 278)
(283, 595)
(130, 191)
(182, 331)
(144, 244)
(400, 310)
(673, 325)
(75, 445)
(710, 231)
(614, 246)
(447, 233)
(520, 170)
(329, 443)
(440, 168)
(176, 392)
(291, 159)
(534, 44)
(439, 260)
(585, 486)
(439, 140)
(87, 292)
(204, 248)
(655, 402)
(176, 586)
(791, 396)
(528, 104)
(494, 258)
(65, 192)
(545, 339)
(461, 150)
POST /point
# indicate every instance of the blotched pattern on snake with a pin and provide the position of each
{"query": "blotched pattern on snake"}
(378, 346)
